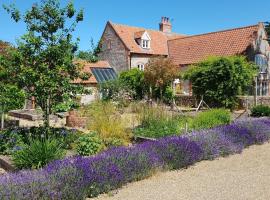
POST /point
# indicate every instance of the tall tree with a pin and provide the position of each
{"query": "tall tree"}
(160, 73)
(42, 63)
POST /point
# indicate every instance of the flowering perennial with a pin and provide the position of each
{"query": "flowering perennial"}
(80, 177)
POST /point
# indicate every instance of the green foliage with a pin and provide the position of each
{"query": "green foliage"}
(169, 95)
(106, 121)
(37, 154)
(260, 111)
(117, 91)
(42, 63)
(157, 122)
(90, 55)
(65, 106)
(11, 139)
(89, 144)
(159, 73)
(210, 119)
(221, 79)
(134, 80)
(11, 97)
(113, 142)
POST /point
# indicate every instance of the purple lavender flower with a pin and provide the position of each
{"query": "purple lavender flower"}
(77, 177)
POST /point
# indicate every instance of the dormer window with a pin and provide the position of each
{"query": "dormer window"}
(146, 44)
(143, 39)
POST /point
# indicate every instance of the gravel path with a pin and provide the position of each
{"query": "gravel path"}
(244, 176)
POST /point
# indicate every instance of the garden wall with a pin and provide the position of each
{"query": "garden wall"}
(249, 101)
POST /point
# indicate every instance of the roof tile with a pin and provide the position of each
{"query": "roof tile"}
(193, 49)
(158, 39)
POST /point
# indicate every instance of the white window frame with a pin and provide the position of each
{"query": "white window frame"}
(140, 66)
(146, 44)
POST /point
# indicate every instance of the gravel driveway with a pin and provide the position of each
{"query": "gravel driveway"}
(244, 176)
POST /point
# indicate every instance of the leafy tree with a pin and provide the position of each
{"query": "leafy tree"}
(92, 54)
(159, 73)
(134, 80)
(221, 79)
(11, 98)
(43, 64)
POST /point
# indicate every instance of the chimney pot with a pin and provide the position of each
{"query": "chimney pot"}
(165, 25)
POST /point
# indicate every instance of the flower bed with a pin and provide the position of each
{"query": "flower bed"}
(79, 177)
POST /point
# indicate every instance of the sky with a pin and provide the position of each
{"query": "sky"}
(188, 16)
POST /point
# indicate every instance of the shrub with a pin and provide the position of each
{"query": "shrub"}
(106, 121)
(134, 80)
(221, 79)
(37, 154)
(89, 144)
(157, 122)
(9, 141)
(79, 177)
(176, 152)
(113, 142)
(15, 137)
(260, 111)
(210, 119)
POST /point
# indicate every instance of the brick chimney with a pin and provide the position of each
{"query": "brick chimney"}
(165, 25)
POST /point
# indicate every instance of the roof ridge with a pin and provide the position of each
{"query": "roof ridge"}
(112, 23)
(214, 32)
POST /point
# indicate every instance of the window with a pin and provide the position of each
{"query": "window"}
(145, 44)
(140, 67)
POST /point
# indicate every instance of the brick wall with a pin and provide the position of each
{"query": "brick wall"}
(74, 120)
(114, 51)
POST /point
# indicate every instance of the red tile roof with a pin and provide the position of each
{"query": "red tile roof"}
(158, 39)
(86, 68)
(193, 49)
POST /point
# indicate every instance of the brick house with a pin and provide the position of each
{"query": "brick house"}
(126, 47)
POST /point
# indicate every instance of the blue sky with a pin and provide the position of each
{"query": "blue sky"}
(189, 17)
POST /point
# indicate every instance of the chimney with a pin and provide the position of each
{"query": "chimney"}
(165, 25)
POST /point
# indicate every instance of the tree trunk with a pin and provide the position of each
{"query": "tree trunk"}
(2, 120)
(47, 114)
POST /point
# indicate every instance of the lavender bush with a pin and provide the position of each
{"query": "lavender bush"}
(79, 177)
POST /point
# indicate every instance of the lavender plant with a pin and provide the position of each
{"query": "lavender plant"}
(80, 177)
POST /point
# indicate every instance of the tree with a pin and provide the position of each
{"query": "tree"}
(90, 55)
(220, 79)
(160, 73)
(42, 63)
(134, 80)
(11, 98)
